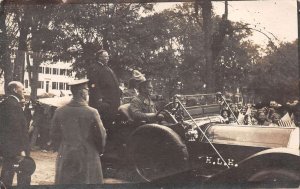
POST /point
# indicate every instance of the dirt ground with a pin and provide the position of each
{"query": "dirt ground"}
(114, 173)
(45, 168)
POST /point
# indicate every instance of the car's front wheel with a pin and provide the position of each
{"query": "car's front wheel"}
(157, 151)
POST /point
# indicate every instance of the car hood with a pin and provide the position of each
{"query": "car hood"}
(256, 136)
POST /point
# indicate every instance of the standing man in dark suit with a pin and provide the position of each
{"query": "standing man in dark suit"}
(83, 137)
(105, 93)
(14, 140)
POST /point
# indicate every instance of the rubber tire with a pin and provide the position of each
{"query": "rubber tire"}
(275, 175)
(157, 151)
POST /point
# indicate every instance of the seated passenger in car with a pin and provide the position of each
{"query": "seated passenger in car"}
(262, 118)
(225, 114)
(234, 109)
(142, 108)
(275, 118)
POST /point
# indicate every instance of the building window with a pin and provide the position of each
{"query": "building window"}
(41, 69)
(61, 86)
(67, 87)
(55, 71)
(13, 53)
(62, 72)
(41, 84)
(54, 85)
(69, 72)
(26, 83)
(48, 70)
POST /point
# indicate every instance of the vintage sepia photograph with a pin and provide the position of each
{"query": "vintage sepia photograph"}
(159, 92)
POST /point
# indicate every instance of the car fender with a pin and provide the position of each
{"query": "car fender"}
(276, 152)
(276, 158)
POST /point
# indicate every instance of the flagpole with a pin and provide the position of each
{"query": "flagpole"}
(219, 95)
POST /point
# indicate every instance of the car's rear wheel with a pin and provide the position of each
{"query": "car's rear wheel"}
(157, 151)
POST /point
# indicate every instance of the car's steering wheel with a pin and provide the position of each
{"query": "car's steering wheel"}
(169, 112)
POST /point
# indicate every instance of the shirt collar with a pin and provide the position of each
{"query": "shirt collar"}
(77, 102)
(15, 97)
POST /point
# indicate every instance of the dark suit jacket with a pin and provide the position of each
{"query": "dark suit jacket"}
(13, 131)
(104, 91)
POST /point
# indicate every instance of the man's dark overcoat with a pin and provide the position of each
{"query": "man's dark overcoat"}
(13, 130)
(105, 93)
(83, 136)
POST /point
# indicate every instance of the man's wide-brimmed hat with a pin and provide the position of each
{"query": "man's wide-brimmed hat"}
(78, 82)
(137, 75)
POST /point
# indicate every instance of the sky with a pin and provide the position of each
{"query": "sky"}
(277, 17)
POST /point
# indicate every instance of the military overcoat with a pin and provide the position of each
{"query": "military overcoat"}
(82, 136)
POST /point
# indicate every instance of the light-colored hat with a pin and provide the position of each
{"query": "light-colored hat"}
(78, 82)
(274, 104)
(137, 75)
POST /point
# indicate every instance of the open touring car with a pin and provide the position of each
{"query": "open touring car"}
(194, 144)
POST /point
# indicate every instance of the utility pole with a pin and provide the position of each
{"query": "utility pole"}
(206, 6)
(226, 10)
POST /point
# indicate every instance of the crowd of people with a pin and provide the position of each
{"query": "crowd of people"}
(273, 114)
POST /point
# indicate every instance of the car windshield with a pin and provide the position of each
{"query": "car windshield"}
(198, 99)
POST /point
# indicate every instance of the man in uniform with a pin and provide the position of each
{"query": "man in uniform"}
(133, 82)
(83, 137)
(14, 139)
(105, 93)
(142, 108)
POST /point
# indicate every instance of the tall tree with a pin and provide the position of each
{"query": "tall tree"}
(235, 60)
(281, 82)
(5, 63)
(19, 62)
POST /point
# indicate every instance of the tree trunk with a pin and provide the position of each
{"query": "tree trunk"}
(36, 58)
(207, 28)
(105, 44)
(19, 64)
(5, 53)
(29, 69)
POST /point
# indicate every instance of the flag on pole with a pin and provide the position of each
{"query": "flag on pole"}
(248, 112)
(240, 118)
(286, 121)
(293, 117)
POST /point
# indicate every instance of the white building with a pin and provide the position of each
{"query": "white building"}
(53, 79)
